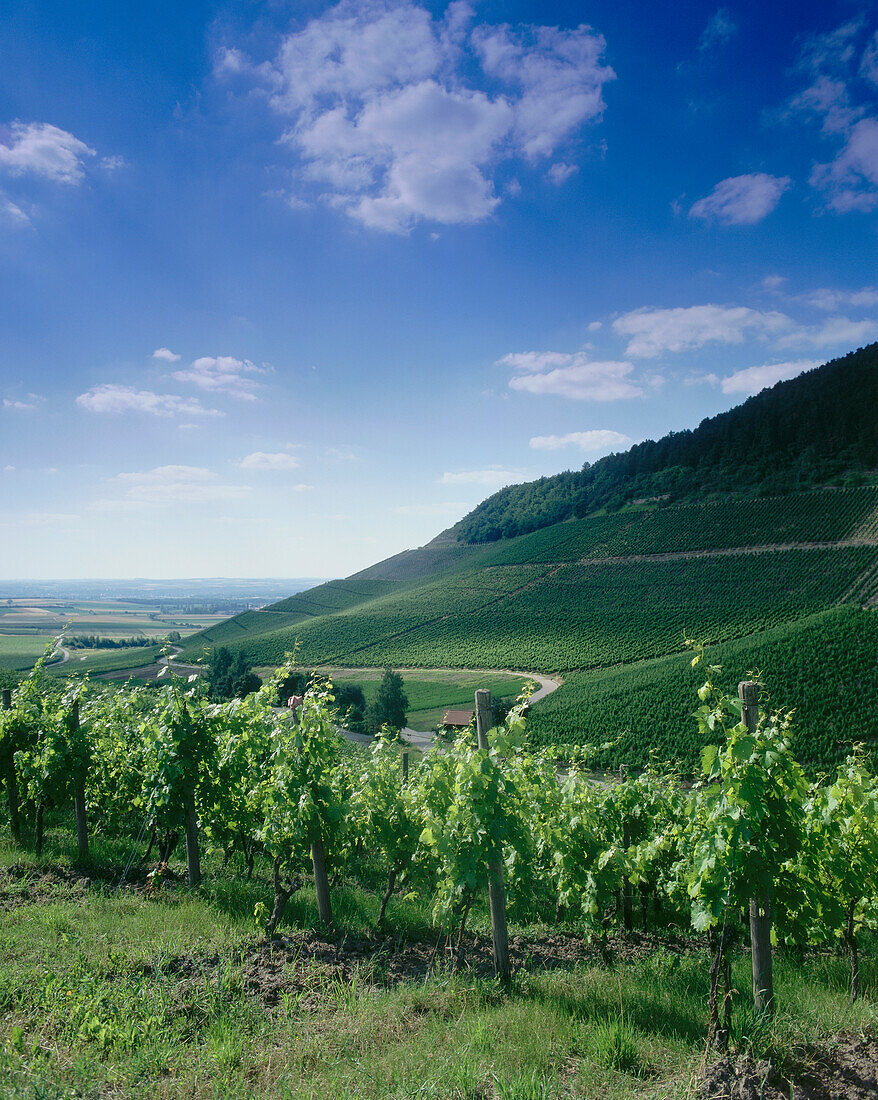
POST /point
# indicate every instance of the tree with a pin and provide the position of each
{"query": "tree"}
(230, 677)
(390, 704)
(351, 705)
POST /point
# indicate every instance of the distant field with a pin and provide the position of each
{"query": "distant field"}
(110, 660)
(428, 694)
(28, 625)
(19, 652)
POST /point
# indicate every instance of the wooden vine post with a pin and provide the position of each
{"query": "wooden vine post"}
(11, 779)
(321, 881)
(404, 758)
(760, 907)
(496, 892)
(193, 854)
(79, 790)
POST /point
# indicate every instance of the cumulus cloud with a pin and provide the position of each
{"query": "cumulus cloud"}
(387, 117)
(754, 379)
(598, 439)
(833, 332)
(9, 404)
(112, 398)
(651, 332)
(741, 200)
(828, 298)
(174, 485)
(40, 149)
(571, 375)
(260, 460)
(493, 477)
(166, 354)
(221, 374)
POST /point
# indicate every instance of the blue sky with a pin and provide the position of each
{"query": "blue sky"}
(289, 287)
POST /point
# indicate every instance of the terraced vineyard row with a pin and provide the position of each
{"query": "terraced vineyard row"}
(826, 515)
(824, 663)
(576, 616)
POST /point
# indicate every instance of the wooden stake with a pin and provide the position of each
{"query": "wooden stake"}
(496, 891)
(193, 856)
(79, 792)
(405, 767)
(321, 881)
(760, 907)
(11, 778)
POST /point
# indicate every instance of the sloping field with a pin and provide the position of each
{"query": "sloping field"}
(579, 594)
(599, 593)
(823, 665)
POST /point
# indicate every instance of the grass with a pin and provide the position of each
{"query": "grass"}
(108, 992)
(20, 651)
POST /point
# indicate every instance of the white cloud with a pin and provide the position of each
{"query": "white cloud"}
(447, 508)
(388, 122)
(595, 325)
(869, 60)
(741, 200)
(560, 76)
(44, 150)
(598, 439)
(754, 379)
(43, 519)
(570, 375)
(221, 374)
(720, 28)
(834, 332)
(259, 460)
(166, 354)
(829, 299)
(8, 404)
(559, 173)
(11, 214)
(850, 181)
(492, 477)
(650, 332)
(174, 485)
(111, 398)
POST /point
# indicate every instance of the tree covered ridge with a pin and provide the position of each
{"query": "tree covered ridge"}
(817, 428)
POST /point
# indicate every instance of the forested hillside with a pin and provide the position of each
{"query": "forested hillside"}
(820, 427)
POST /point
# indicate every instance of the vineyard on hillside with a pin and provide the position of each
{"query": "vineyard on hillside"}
(572, 616)
(602, 600)
(824, 665)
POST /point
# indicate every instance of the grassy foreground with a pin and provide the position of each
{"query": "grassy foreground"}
(109, 991)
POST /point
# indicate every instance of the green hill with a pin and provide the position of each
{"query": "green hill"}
(786, 582)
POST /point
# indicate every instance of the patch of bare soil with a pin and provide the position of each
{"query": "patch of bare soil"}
(843, 1068)
(21, 884)
(302, 965)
